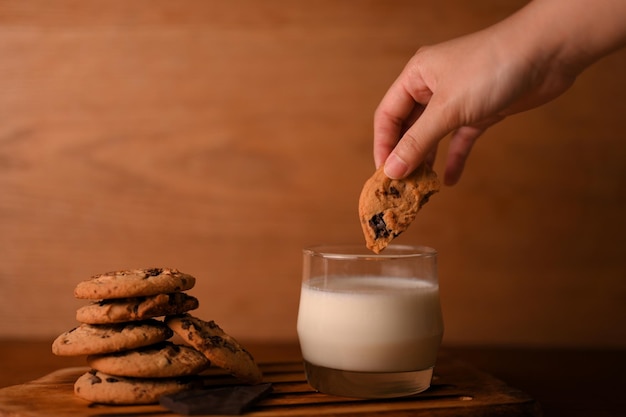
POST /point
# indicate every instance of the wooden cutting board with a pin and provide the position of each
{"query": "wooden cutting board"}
(457, 390)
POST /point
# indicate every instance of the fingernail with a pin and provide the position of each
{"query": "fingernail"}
(395, 167)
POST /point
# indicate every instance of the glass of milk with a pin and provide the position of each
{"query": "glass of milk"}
(369, 325)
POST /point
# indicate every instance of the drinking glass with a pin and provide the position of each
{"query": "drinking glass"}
(369, 325)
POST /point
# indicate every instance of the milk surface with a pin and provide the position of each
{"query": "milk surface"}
(370, 324)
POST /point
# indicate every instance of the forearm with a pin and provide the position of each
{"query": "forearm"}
(573, 33)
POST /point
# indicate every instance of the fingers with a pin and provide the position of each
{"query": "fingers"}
(387, 129)
(390, 120)
(461, 144)
(418, 142)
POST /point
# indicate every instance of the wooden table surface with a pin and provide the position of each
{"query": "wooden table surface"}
(564, 382)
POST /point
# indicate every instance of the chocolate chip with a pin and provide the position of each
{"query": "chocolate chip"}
(215, 340)
(94, 379)
(393, 191)
(378, 226)
(424, 199)
(153, 272)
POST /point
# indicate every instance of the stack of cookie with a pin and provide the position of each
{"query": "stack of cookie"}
(127, 344)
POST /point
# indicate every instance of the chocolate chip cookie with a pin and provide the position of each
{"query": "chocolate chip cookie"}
(139, 308)
(88, 339)
(220, 348)
(387, 206)
(99, 387)
(134, 283)
(161, 360)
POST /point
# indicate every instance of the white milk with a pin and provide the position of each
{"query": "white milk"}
(390, 325)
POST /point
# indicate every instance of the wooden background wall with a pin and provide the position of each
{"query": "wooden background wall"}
(222, 137)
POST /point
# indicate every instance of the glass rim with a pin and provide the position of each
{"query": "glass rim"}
(354, 251)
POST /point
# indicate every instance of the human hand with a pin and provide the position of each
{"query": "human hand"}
(465, 85)
(461, 87)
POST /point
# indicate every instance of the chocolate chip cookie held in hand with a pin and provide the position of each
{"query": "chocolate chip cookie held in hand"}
(388, 206)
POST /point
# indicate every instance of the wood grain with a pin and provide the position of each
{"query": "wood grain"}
(550, 376)
(222, 137)
(457, 390)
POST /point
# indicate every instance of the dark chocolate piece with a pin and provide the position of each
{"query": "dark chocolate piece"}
(229, 400)
(377, 223)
